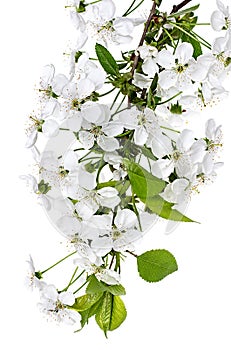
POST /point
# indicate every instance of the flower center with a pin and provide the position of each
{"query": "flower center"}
(141, 119)
(176, 155)
(180, 68)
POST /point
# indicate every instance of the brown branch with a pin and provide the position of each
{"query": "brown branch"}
(176, 8)
(136, 59)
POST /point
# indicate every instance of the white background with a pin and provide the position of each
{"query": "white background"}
(188, 310)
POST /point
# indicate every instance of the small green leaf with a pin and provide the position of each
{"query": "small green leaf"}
(119, 313)
(86, 301)
(183, 12)
(143, 183)
(111, 313)
(104, 314)
(164, 209)
(155, 265)
(106, 60)
(116, 289)
(96, 286)
(195, 43)
(86, 314)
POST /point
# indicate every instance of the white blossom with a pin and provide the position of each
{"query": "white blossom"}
(56, 305)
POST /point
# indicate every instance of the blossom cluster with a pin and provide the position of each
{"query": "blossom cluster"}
(109, 170)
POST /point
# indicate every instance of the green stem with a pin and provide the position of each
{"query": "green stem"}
(80, 287)
(58, 262)
(77, 277)
(164, 127)
(101, 166)
(72, 277)
(108, 92)
(115, 99)
(132, 10)
(170, 37)
(136, 211)
(170, 99)
(130, 7)
(85, 156)
(117, 109)
(191, 35)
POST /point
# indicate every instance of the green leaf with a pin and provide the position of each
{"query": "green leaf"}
(86, 314)
(143, 183)
(164, 209)
(111, 313)
(155, 265)
(147, 152)
(119, 313)
(104, 314)
(195, 43)
(96, 286)
(107, 184)
(86, 301)
(106, 60)
(116, 289)
(183, 12)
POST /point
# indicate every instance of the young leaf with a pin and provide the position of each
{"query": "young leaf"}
(164, 209)
(195, 43)
(111, 313)
(106, 60)
(86, 301)
(155, 265)
(183, 12)
(143, 183)
(119, 313)
(86, 314)
(104, 314)
(96, 286)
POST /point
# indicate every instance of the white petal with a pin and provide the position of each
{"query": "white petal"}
(113, 129)
(70, 161)
(31, 139)
(167, 79)
(140, 135)
(69, 226)
(50, 128)
(179, 185)
(109, 276)
(184, 53)
(123, 26)
(78, 21)
(162, 168)
(85, 88)
(150, 67)
(67, 298)
(91, 112)
(30, 182)
(58, 83)
(74, 122)
(108, 144)
(161, 145)
(166, 59)
(107, 9)
(47, 75)
(86, 179)
(125, 218)
(185, 140)
(82, 38)
(87, 139)
(208, 164)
